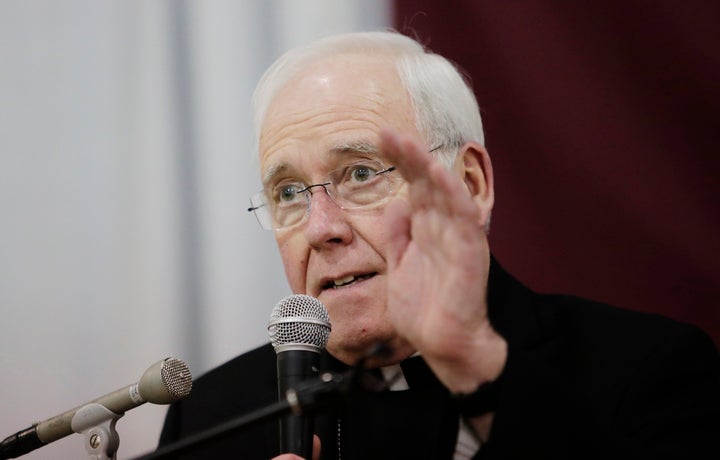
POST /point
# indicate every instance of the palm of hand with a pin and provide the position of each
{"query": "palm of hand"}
(438, 261)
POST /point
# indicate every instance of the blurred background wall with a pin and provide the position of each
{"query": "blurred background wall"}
(126, 165)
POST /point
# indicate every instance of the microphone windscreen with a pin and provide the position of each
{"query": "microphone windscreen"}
(299, 322)
(177, 377)
(165, 381)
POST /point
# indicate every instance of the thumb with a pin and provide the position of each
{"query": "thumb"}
(316, 447)
(315, 454)
(397, 223)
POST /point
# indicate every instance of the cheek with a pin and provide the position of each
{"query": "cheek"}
(294, 260)
(371, 230)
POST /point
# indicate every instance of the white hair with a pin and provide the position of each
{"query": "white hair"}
(446, 111)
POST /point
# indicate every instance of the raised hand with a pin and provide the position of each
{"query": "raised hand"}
(438, 261)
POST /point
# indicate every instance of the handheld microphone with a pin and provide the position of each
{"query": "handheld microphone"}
(299, 328)
(162, 383)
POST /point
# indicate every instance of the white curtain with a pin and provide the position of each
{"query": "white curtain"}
(126, 164)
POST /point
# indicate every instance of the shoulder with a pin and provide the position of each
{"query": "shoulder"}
(588, 350)
(580, 327)
(256, 365)
(629, 333)
(578, 367)
(238, 386)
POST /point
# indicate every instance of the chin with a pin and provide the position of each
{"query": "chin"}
(352, 351)
(362, 344)
(349, 353)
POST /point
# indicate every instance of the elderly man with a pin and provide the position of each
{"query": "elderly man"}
(379, 190)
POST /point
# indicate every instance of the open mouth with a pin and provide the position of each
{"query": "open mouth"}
(346, 281)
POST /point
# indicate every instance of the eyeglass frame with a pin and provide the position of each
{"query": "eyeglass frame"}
(308, 193)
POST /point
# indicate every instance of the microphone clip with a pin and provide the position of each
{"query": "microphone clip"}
(327, 389)
(97, 423)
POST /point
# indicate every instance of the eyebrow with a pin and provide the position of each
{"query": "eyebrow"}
(337, 149)
(355, 147)
(273, 171)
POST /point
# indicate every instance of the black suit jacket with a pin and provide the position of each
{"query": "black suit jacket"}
(582, 380)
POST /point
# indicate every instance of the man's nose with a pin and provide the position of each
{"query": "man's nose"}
(319, 192)
(327, 222)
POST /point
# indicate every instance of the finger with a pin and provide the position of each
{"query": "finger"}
(315, 452)
(431, 185)
(317, 445)
(410, 158)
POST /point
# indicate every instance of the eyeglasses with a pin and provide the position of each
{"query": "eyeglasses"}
(363, 184)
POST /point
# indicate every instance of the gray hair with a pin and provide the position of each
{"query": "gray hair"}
(446, 111)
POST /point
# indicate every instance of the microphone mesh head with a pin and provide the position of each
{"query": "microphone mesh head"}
(176, 377)
(299, 322)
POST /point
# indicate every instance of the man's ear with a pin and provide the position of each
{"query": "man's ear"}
(474, 166)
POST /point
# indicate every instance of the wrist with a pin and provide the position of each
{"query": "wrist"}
(481, 401)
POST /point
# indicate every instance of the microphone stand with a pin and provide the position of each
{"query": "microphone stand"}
(307, 398)
(93, 420)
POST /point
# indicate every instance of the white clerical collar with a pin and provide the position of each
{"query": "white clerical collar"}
(395, 377)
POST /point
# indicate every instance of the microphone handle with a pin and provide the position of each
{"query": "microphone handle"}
(20, 443)
(296, 430)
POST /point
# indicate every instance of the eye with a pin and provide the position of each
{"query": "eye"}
(286, 194)
(362, 172)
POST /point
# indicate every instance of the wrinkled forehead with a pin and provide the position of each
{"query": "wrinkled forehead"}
(344, 100)
(316, 72)
(349, 80)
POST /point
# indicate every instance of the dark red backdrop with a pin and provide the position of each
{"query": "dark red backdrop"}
(602, 120)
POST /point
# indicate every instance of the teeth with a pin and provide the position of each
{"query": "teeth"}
(345, 280)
